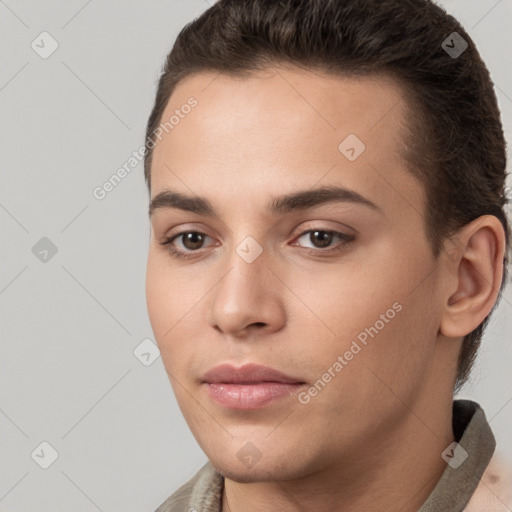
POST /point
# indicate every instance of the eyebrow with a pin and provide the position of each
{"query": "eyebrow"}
(295, 201)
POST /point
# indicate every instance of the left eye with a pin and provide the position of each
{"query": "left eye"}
(324, 237)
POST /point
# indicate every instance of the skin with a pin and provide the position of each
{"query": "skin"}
(372, 438)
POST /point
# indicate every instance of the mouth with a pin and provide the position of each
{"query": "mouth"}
(248, 387)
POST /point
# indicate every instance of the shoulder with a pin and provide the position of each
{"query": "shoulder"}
(203, 490)
(494, 491)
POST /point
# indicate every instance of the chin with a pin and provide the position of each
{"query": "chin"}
(244, 478)
(265, 470)
(263, 473)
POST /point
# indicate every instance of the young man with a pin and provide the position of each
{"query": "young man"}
(328, 241)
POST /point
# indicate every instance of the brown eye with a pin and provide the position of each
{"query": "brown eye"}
(323, 237)
(192, 240)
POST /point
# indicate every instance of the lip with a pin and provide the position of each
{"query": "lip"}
(247, 374)
(248, 387)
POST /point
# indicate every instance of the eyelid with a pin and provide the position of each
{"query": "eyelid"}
(321, 226)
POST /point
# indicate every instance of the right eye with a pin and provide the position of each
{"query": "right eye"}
(190, 240)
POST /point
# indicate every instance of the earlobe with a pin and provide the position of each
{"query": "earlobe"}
(478, 267)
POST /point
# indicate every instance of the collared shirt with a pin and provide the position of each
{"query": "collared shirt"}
(462, 476)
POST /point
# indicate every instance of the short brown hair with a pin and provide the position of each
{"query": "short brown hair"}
(455, 144)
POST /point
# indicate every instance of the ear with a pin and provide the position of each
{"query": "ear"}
(475, 261)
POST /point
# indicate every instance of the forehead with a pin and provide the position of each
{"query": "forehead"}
(281, 129)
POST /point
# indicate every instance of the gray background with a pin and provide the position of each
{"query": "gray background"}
(68, 374)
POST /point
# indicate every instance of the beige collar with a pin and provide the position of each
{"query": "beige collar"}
(458, 482)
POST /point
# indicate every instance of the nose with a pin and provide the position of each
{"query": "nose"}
(247, 299)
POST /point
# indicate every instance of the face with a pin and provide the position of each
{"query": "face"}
(336, 289)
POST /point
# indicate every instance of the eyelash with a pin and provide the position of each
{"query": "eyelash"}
(346, 240)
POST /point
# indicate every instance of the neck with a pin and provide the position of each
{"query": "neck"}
(395, 470)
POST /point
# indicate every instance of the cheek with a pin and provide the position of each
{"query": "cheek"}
(172, 299)
(156, 296)
(165, 299)
(340, 302)
(379, 303)
(397, 334)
